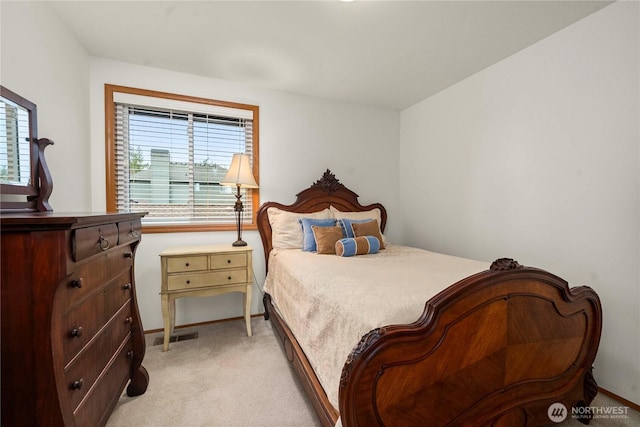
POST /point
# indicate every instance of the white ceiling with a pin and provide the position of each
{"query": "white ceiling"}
(384, 53)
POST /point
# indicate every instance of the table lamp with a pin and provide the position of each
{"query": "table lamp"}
(240, 175)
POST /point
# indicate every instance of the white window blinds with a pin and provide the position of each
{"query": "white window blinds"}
(170, 157)
(15, 146)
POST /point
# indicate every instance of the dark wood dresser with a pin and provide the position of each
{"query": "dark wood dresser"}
(71, 332)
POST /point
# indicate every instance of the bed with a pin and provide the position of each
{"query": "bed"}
(476, 344)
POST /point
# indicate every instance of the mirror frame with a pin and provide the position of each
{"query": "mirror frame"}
(38, 191)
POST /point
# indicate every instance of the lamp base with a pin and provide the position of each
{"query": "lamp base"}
(239, 242)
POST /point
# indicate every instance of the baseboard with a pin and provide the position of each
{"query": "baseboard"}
(622, 400)
(209, 322)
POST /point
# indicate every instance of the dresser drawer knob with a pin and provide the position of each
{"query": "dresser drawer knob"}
(135, 233)
(128, 255)
(77, 283)
(127, 286)
(76, 332)
(77, 384)
(129, 354)
(229, 278)
(228, 261)
(104, 243)
(128, 319)
(186, 264)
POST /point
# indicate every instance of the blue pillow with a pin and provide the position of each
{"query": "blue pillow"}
(357, 246)
(308, 239)
(345, 224)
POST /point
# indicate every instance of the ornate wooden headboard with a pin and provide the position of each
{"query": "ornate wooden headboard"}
(325, 192)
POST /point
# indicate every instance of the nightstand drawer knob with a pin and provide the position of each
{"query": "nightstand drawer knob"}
(76, 332)
(128, 255)
(76, 283)
(127, 286)
(186, 264)
(128, 319)
(228, 261)
(77, 384)
(129, 354)
(229, 278)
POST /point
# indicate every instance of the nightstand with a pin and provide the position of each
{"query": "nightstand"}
(202, 271)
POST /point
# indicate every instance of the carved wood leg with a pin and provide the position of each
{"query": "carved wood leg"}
(139, 375)
(590, 392)
(139, 382)
(265, 303)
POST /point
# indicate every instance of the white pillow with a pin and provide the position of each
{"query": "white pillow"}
(372, 214)
(286, 231)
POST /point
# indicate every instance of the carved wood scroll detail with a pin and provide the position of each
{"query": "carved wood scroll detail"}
(367, 341)
(504, 264)
(328, 183)
(46, 181)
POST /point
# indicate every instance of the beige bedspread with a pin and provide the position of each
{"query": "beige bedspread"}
(330, 302)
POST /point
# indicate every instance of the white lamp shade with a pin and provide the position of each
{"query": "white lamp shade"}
(239, 173)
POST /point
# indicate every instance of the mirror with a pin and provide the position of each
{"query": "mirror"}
(15, 143)
(23, 170)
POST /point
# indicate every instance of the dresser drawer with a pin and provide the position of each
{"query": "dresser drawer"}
(87, 367)
(219, 261)
(80, 324)
(129, 231)
(80, 376)
(117, 293)
(93, 240)
(119, 328)
(106, 390)
(89, 277)
(187, 263)
(212, 278)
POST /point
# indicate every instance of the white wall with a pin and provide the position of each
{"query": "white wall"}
(534, 158)
(300, 137)
(42, 62)
(537, 158)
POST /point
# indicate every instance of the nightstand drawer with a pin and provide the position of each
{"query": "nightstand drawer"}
(220, 261)
(213, 278)
(187, 263)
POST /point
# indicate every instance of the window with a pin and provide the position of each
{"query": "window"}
(166, 155)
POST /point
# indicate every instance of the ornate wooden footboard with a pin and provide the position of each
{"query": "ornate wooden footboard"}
(497, 348)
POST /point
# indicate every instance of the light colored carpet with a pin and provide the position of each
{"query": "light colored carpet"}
(223, 378)
(226, 379)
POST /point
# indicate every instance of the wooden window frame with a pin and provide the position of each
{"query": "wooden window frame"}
(110, 153)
